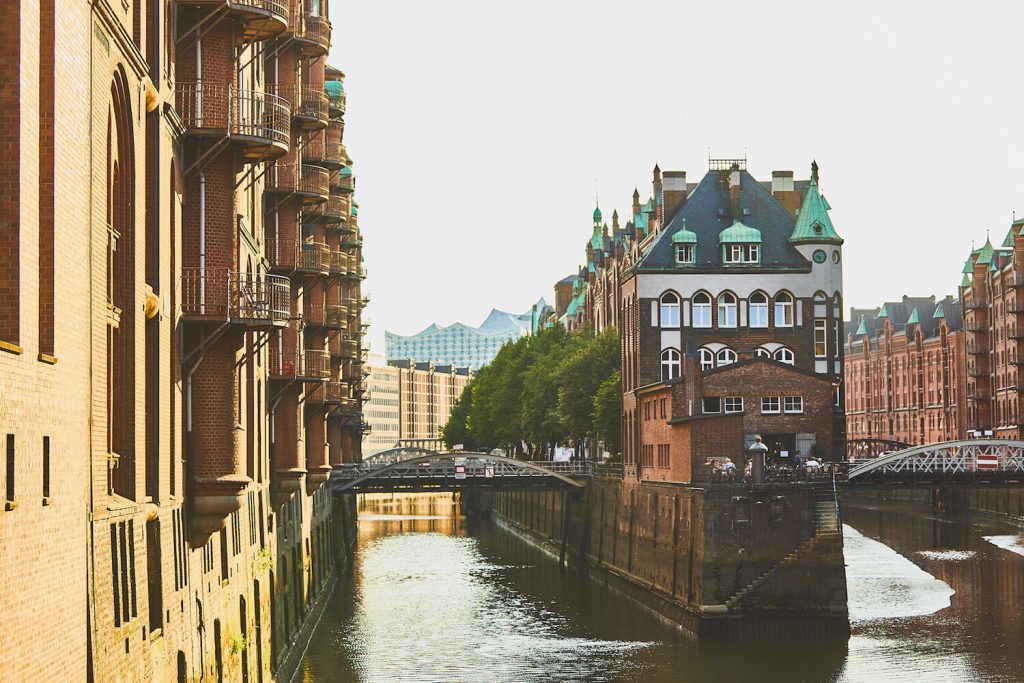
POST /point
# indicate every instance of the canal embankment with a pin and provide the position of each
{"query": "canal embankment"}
(1003, 500)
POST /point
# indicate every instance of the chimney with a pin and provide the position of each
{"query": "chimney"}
(658, 196)
(687, 393)
(734, 192)
(675, 192)
(636, 203)
(785, 192)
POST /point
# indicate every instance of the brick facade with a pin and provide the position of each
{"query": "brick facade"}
(137, 389)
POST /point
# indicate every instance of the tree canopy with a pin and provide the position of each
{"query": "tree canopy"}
(542, 390)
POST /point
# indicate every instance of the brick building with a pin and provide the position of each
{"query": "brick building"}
(905, 372)
(194, 334)
(426, 395)
(738, 284)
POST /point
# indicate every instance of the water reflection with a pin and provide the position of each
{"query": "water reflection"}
(435, 597)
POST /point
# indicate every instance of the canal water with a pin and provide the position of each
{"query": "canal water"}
(437, 597)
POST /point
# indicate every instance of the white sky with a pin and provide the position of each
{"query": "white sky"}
(478, 131)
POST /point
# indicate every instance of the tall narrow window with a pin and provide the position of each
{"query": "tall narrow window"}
(726, 310)
(46, 468)
(759, 309)
(784, 355)
(707, 359)
(702, 309)
(670, 365)
(820, 339)
(10, 171)
(47, 41)
(669, 310)
(783, 309)
(9, 482)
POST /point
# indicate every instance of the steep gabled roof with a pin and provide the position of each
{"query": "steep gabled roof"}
(813, 224)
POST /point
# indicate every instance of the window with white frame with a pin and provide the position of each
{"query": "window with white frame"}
(771, 405)
(686, 254)
(759, 309)
(783, 309)
(702, 309)
(733, 404)
(742, 253)
(669, 310)
(763, 353)
(793, 404)
(784, 355)
(820, 339)
(707, 359)
(726, 357)
(726, 310)
(671, 365)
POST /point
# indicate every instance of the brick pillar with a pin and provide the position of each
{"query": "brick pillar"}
(334, 442)
(288, 450)
(316, 448)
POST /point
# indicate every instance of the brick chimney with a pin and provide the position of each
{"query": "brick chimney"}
(687, 392)
(675, 192)
(734, 192)
(785, 192)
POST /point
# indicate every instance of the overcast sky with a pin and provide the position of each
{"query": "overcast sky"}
(479, 130)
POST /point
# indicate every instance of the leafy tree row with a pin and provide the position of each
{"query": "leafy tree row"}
(540, 391)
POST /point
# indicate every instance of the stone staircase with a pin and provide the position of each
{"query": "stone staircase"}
(827, 526)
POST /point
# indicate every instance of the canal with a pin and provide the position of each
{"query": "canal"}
(438, 597)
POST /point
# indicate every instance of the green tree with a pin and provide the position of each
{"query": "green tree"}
(608, 412)
(580, 375)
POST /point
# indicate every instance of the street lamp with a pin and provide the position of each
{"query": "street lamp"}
(757, 451)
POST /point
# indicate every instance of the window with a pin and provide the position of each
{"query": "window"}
(726, 310)
(784, 355)
(793, 404)
(671, 367)
(707, 359)
(669, 310)
(759, 309)
(702, 309)
(763, 353)
(820, 339)
(711, 404)
(770, 405)
(10, 468)
(685, 254)
(742, 253)
(726, 357)
(46, 467)
(733, 404)
(783, 310)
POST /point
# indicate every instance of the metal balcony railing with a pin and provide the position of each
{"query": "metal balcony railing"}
(309, 104)
(326, 315)
(333, 154)
(336, 392)
(318, 31)
(239, 298)
(249, 114)
(977, 349)
(314, 149)
(975, 303)
(313, 257)
(339, 263)
(261, 19)
(976, 326)
(334, 209)
(307, 364)
(343, 183)
(304, 179)
(978, 371)
(338, 102)
(349, 348)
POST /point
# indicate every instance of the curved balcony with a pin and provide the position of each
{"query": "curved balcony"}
(287, 362)
(309, 107)
(260, 19)
(352, 241)
(339, 264)
(258, 123)
(334, 155)
(312, 33)
(219, 295)
(349, 349)
(308, 182)
(314, 150)
(343, 181)
(313, 257)
(332, 316)
(336, 101)
(336, 392)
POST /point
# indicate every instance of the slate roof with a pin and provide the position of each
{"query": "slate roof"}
(927, 312)
(707, 212)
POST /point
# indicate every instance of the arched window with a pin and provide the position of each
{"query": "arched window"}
(726, 357)
(759, 309)
(707, 359)
(783, 309)
(784, 355)
(669, 310)
(763, 353)
(671, 366)
(702, 309)
(726, 310)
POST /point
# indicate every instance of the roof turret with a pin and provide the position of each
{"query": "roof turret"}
(813, 223)
(737, 233)
(684, 236)
(882, 313)
(985, 253)
(914, 319)
(939, 312)
(862, 329)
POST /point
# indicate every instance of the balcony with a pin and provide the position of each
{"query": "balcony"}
(309, 107)
(260, 19)
(258, 123)
(352, 242)
(313, 257)
(976, 326)
(349, 349)
(308, 182)
(978, 371)
(334, 209)
(1015, 280)
(314, 150)
(334, 155)
(312, 33)
(332, 316)
(336, 101)
(221, 295)
(975, 303)
(336, 392)
(306, 365)
(339, 264)
(343, 181)
(977, 350)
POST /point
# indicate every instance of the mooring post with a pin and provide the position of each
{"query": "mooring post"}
(565, 528)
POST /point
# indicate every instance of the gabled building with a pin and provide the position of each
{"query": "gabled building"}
(740, 273)
(905, 373)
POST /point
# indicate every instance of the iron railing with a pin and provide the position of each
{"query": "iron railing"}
(304, 364)
(339, 263)
(975, 303)
(326, 315)
(343, 183)
(338, 101)
(302, 178)
(310, 102)
(236, 297)
(313, 257)
(222, 106)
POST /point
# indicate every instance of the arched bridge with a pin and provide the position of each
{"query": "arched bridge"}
(858, 449)
(429, 471)
(984, 460)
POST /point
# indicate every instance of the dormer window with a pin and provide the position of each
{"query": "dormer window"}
(685, 254)
(742, 253)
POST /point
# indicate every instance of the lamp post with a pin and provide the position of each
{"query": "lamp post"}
(757, 451)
